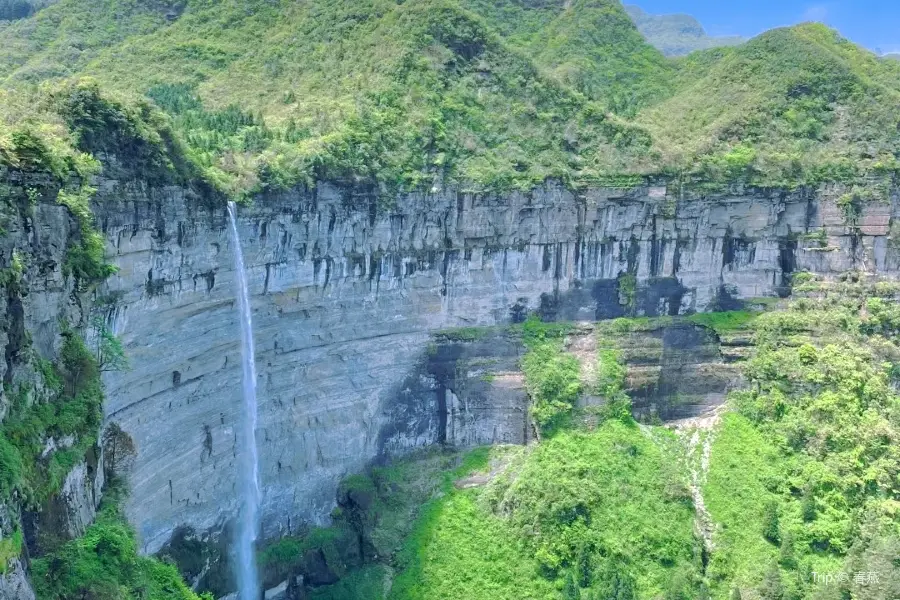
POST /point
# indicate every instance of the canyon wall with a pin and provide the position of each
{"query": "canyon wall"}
(346, 298)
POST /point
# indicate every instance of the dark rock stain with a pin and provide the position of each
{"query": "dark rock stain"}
(634, 253)
(787, 262)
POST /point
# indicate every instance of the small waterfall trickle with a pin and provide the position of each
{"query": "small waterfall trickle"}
(248, 477)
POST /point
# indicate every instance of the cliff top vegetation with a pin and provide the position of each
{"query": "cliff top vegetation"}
(488, 95)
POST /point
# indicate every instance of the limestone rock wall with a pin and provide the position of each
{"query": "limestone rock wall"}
(346, 295)
(674, 369)
(36, 298)
(14, 584)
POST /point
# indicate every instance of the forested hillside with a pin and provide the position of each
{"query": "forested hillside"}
(491, 95)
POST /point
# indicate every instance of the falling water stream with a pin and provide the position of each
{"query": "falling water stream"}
(248, 477)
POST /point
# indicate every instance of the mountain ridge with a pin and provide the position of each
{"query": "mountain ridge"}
(677, 34)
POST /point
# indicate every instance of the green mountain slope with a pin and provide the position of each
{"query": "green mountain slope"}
(588, 509)
(491, 95)
(591, 45)
(59, 40)
(403, 94)
(792, 105)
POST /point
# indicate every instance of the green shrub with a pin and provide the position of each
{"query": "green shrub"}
(30, 152)
(10, 548)
(611, 374)
(571, 591)
(85, 261)
(628, 292)
(104, 563)
(771, 530)
(725, 322)
(551, 376)
(74, 408)
(465, 334)
(11, 468)
(614, 582)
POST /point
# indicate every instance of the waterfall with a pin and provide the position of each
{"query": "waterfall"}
(248, 461)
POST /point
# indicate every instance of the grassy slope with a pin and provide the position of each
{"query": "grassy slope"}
(736, 496)
(609, 494)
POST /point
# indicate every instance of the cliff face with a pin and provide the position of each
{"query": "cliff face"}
(346, 296)
(37, 300)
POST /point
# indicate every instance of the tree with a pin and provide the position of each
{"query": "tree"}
(808, 507)
(771, 528)
(787, 556)
(119, 451)
(571, 591)
(583, 568)
(79, 366)
(736, 594)
(772, 588)
(109, 354)
(11, 10)
(679, 587)
(703, 594)
(614, 582)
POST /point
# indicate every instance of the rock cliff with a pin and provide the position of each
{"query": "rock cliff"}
(347, 295)
(38, 301)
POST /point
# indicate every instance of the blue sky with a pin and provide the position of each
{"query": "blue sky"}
(871, 23)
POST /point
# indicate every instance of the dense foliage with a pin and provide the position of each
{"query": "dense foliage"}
(50, 427)
(552, 377)
(603, 509)
(805, 475)
(591, 45)
(10, 10)
(376, 513)
(400, 95)
(104, 564)
(490, 95)
(67, 405)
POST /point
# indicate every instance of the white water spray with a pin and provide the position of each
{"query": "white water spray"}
(248, 477)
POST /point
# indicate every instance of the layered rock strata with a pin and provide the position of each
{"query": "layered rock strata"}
(347, 293)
